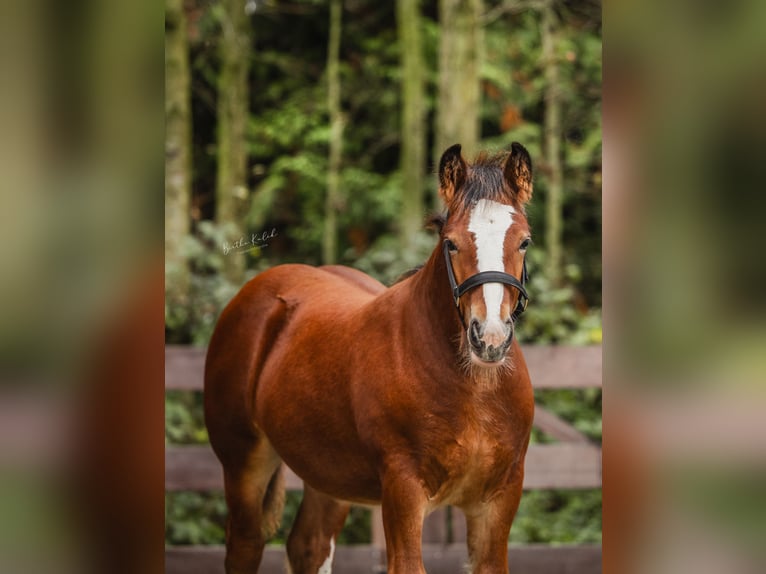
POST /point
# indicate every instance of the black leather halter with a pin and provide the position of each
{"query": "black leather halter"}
(487, 277)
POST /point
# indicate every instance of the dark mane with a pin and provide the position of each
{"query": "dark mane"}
(407, 274)
(485, 179)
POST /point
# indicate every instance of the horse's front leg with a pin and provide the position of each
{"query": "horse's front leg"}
(404, 506)
(489, 524)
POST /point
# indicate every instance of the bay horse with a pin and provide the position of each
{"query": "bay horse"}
(413, 397)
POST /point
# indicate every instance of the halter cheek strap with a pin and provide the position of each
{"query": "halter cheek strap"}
(487, 277)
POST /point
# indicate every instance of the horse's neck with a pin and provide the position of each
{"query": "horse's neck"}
(434, 305)
(433, 326)
(433, 323)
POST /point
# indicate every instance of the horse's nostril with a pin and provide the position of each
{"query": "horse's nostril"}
(474, 335)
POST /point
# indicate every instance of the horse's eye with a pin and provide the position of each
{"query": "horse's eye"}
(451, 246)
(525, 244)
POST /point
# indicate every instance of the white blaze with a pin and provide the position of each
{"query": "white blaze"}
(326, 567)
(489, 223)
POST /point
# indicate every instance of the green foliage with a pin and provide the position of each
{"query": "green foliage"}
(184, 418)
(358, 529)
(553, 315)
(288, 137)
(513, 109)
(563, 516)
(200, 518)
(579, 407)
(195, 518)
(191, 319)
(558, 517)
(386, 261)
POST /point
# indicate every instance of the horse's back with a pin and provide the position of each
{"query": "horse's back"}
(356, 278)
(303, 282)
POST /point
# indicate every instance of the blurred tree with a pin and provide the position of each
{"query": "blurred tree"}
(232, 196)
(177, 150)
(461, 42)
(332, 199)
(413, 136)
(553, 161)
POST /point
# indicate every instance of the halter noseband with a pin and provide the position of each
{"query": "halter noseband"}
(487, 277)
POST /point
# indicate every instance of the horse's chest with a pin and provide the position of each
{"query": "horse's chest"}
(475, 466)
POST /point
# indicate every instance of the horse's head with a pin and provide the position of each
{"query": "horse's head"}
(484, 239)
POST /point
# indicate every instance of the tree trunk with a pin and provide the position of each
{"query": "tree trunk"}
(413, 147)
(177, 149)
(332, 199)
(232, 196)
(552, 121)
(460, 49)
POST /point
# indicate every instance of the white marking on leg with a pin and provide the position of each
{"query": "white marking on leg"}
(326, 567)
(489, 223)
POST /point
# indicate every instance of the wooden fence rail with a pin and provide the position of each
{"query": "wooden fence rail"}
(550, 367)
(574, 462)
(565, 465)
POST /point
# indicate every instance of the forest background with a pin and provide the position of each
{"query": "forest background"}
(308, 131)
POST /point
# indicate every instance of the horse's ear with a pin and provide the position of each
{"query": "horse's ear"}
(452, 173)
(518, 172)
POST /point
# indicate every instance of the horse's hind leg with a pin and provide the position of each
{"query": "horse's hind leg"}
(311, 544)
(255, 498)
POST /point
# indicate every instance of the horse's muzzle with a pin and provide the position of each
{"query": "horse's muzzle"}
(490, 345)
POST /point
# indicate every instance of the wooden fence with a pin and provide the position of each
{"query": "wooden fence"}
(573, 462)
